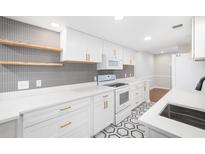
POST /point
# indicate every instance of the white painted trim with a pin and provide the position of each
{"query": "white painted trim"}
(161, 76)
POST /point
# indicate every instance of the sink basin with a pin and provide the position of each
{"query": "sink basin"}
(185, 115)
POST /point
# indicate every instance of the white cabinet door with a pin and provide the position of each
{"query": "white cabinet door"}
(8, 129)
(128, 57)
(79, 46)
(198, 37)
(112, 50)
(74, 45)
(103, 113)
(94, 49)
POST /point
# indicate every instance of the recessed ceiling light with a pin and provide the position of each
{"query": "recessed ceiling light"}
(119, 17)
(162, 52)
(55, 25)
(147, 38)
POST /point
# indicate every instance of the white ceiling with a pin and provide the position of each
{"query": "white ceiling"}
(129, 32)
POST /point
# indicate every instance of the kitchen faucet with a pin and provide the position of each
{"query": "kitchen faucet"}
(200, 84)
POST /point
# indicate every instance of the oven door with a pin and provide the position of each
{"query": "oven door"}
(122, 99)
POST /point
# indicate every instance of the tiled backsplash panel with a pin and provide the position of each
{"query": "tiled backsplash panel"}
(50, 76)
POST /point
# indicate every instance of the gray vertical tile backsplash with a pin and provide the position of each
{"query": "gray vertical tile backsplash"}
(50, 76)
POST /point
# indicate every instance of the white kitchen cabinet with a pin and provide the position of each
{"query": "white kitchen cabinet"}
(71, 119)
(139, 93)
(103, 114)
(94, 49)
(198, 37)
(151, 133)
(80, 47)
(8, 129)
(147, 91)
(112, 50)
(128, 56)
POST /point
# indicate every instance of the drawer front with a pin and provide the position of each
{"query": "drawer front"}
(104, 96)
(38, 116)
(59, 126)
(80, 132)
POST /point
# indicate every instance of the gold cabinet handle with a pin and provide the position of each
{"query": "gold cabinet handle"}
(66, 108)
(105, 104)
(115, 52)
(88, 57)
(66, 124)
(105, 96)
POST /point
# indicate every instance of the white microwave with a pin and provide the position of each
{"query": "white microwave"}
(110, 63)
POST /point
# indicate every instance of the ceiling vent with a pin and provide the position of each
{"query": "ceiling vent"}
(177, 26)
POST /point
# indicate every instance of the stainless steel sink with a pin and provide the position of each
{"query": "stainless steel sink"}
(188, 116)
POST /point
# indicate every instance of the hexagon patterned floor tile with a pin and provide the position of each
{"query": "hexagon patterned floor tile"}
(129, 127)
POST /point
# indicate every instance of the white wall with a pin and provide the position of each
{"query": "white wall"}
(144, 66)
(162, 70)
(187, 72)
(156, 68)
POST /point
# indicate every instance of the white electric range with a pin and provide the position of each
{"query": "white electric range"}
(122, 101)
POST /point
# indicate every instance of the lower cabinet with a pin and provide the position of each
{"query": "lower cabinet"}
(103, 114)
(8, 129)
(73, 123)
(152, 133)
(139, 93)
(82, 118)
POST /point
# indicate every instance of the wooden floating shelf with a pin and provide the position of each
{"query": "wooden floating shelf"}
(29, 63)
(29, 45)
(78, 62)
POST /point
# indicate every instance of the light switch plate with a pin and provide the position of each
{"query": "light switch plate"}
(38, 83)
(23, 85)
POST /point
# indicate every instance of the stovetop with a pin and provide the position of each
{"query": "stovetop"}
(116, 84)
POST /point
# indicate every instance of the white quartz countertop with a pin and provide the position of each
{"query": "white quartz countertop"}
(13, 104)
(189, 99)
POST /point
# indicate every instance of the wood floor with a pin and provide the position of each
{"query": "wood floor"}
(156, 94)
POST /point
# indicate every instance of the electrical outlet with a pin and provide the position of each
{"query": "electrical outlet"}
(95, 78)
(23, 85)
(38, 83)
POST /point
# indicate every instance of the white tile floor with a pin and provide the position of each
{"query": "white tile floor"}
(129, 127)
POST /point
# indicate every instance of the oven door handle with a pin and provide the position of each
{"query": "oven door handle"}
(122, 90)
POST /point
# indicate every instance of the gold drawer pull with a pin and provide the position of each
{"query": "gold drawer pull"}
(105, 96)
(67, 124)
(66, 108)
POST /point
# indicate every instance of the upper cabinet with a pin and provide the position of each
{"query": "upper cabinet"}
(112, 50)
(198, 38)
(80, 47)
(129, 57)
